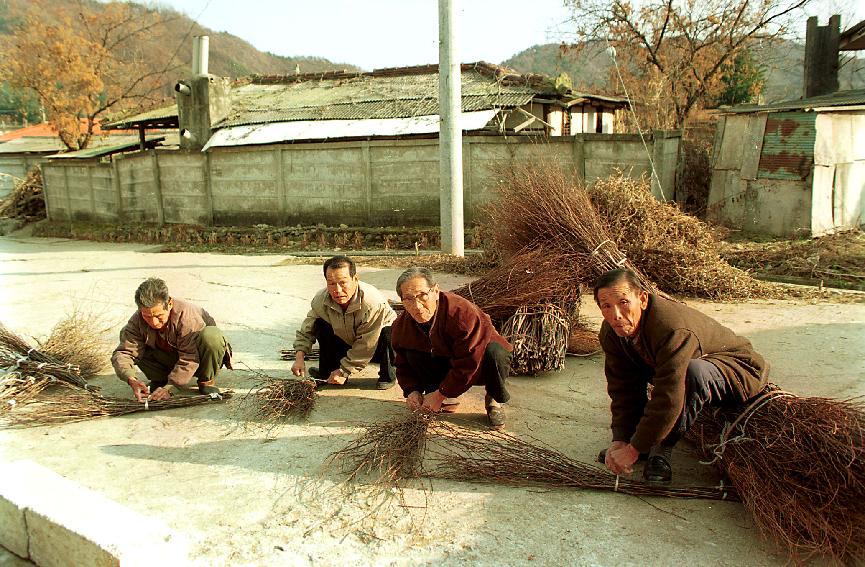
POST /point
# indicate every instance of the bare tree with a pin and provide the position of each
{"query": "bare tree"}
(85, 63)
(670, 54)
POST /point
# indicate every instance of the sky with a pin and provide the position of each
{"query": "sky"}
(372, 34)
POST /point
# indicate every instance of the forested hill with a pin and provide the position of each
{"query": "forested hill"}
(589, 68)
(229, 55)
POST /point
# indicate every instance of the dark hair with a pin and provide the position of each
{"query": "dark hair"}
(412, 273)
(613, 277)
(338, 262)
(150, 292)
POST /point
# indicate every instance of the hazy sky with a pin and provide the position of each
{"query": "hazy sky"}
(394, 33)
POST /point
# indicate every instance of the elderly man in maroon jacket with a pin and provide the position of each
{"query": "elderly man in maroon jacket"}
(691, 361)
(172, 341)
(444, 345)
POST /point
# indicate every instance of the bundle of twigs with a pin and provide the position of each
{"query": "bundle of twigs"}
(501, 458)
(583, 341)
(544, 207)
(391, 450)
(77, 340)
(275, 400)
(531, 277)
(539, 335)
(16, 353)
(290, 353)
(66, 404)
(799, 466)
(676, 250)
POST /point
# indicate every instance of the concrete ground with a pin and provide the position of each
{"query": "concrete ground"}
(246, 497)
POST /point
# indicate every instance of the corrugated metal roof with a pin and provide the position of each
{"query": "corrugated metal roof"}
(128, 143)
(854, 97)
(364, 97)
(271, 133)
(788, 146)
(40, 145)
(165, 117)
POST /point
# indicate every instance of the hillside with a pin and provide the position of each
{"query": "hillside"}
(589, 67)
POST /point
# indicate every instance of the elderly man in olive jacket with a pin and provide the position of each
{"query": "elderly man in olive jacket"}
(690, 360)
(172, 341)
(351, 321)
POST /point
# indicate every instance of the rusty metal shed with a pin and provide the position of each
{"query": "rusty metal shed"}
(791, 168)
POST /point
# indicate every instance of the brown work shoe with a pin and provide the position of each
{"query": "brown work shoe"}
(496, 416)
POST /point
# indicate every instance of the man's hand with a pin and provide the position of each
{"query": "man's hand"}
(337, 377)
(414, 401)
(160, 394)
(139, 388)
(433, 401)
(621, 457)
(299, 367)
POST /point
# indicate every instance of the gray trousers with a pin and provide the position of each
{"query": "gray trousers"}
(705, 386)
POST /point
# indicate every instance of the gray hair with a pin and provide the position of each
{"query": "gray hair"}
(150, 292)
(616, 276)
(412, 273)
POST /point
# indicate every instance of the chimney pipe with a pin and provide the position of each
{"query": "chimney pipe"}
(200, 54)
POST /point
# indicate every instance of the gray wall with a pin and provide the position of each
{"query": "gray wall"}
(363, 183)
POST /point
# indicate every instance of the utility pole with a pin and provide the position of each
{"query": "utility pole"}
(450, 132)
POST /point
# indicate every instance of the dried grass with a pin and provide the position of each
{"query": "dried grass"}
(276, 400)
(676, 250)
(78, 339)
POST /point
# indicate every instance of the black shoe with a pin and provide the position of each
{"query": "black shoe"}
(314, 373)
(602, 456)
(658, 469)
(208, 389)
(385, 384)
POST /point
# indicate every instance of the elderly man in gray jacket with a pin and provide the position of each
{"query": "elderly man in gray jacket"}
(351, 321)
(172, 341)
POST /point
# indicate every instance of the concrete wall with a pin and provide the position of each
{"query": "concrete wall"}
(362, 183)
(839, 171)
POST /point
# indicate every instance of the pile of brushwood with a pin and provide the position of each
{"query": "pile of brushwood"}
(26, 202)
(48, 383)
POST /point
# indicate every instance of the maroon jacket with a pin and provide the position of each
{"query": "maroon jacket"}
(460, 331)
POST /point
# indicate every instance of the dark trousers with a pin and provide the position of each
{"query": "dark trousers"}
(495, 369)
(705, 386)
(157, 364)
(332, 349)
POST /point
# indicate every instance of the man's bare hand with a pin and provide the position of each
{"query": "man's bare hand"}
(433, 401)
(160, 394)
(414, 401)
(299, 367)
(337, 377)
(139, 389)
(621, 457)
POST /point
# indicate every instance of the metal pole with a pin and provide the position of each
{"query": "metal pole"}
(450, 133)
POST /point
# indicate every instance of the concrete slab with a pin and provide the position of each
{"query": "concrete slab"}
(246, 496)
(55, 522)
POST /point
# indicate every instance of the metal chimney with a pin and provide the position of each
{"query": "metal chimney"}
(200, 54)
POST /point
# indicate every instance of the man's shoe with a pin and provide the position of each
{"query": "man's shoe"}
(658, 469)
(385, 384)
(314, 373)
(207, 388)
(496, 415)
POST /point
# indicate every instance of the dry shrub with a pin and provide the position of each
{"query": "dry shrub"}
(676, 250)
(799, 466)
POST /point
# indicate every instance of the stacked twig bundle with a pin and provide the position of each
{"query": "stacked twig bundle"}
(544, 207)
(391, 450)
(66, 404)
(501, 458)
(799, 466)
(676, 250)
(16, 354)
(290, 353)
(583, 341)
(539, 335)
(26, 201)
